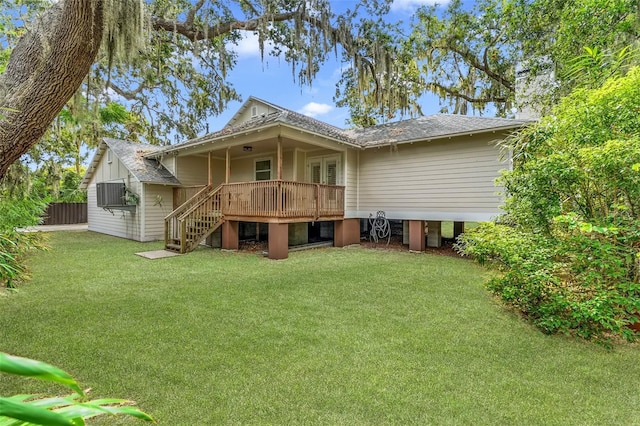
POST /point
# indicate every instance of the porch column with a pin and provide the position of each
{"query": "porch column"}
(227, 173)
(458, 228)
(416, 235)
(434, 234)
(279, 174)
(230, 235)
(209, 172)
(346, 232)
(278, 241)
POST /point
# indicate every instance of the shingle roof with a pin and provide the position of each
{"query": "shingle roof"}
(284, 116)
(429, 127)
(414, 129)
(132, 156)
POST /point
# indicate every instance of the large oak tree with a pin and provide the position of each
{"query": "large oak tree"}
(169, 59)
(466, 54)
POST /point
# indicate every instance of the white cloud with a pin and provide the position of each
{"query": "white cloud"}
(314, 109)
(410, 5)
(249, 46)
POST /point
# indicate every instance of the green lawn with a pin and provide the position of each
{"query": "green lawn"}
(330, 336)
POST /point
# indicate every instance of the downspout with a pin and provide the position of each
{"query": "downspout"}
(142, 212)
(358, 182)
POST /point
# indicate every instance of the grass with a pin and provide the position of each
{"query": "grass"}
(331, 336)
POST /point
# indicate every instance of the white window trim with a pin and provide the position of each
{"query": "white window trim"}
(109, 156)
(255, 160)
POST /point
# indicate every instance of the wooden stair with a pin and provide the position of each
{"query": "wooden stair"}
(191, 223)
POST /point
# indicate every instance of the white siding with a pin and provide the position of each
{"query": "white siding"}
(301, 158)
(246, 115)
(158, 200)
(440, 180)
(287, 166)
(192, 170)
(219, 170)
(169, 163)
(119, 223)
(351, 183)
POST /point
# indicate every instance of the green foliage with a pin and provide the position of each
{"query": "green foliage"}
(568, 247)
(64, 411)
(20, 212)
(15, 245)
(466, 54)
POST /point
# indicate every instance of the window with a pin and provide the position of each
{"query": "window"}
(109, 156)
(263, 169)
(254, 111)
(111, 194)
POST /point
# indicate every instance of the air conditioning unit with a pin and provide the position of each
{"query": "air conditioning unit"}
(111, 194)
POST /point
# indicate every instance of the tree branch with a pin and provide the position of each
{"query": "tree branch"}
(475, 63)
(193, 34)
(450, 91)
(129, 95)
(191, 15)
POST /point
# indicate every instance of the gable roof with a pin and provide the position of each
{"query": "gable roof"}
(430, 127)
(132, 156)
(425, 128)
(410, 130)
(281, 116)
(249, 102)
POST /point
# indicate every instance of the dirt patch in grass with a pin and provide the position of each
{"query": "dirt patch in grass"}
(395, 244)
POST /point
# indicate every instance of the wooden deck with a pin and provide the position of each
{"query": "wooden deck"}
(271, 201)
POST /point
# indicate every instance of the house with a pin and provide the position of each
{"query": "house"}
(275, 173)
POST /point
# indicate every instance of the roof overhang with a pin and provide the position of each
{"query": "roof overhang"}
(448, 135)
(95, 160)
(243, 137)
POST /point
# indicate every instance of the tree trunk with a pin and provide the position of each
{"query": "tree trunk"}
(45, 69)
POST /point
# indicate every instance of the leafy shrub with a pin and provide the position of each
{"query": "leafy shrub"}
(568, 247)
(15, 245)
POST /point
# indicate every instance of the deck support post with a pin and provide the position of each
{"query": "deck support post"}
(416, 235)
(434, 234)
(458, 228)
(230, 235)
(346, 232)
(278, 241)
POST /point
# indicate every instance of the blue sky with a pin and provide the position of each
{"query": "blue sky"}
(272, 79)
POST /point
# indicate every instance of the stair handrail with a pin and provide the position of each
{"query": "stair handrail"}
(215, 219)
(186, 204)
(197, 204)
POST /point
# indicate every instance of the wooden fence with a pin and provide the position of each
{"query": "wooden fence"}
(65, 213)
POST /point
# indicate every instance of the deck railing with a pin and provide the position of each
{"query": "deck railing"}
(282, 199)
(200, 220)
(199, 216)
(172, 223)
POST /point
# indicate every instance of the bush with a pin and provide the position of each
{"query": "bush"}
(568, 247)
(15, 245)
